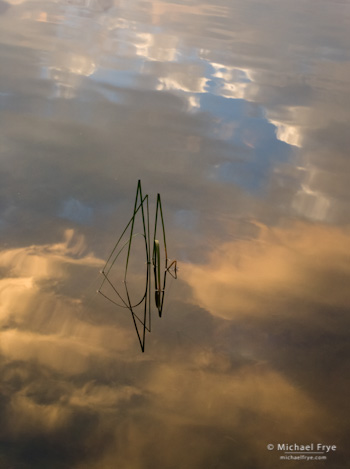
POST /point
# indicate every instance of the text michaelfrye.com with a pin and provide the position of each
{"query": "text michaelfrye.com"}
(308, 452)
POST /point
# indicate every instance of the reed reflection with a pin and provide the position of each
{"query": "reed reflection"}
(114, 294)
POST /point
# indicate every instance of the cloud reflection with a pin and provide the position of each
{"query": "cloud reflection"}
(258, 353)
(41, 316)
(65, 374)
(257, 277)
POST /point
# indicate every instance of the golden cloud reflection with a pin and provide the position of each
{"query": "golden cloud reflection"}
(188, 407)
(42, 418)
(266, 276)
(69, 378)
(43, 324)
(204, 395)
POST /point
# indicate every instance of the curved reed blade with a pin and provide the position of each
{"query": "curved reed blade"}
(111, 261)
(159, 285)
(160, 210)
(138, 194)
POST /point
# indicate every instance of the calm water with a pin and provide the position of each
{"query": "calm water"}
(238, 114)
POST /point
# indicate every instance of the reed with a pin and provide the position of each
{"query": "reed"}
(141, 205)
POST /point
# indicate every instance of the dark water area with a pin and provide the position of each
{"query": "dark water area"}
(238, 114)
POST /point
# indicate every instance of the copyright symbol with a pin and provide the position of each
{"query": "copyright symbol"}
(270, 447)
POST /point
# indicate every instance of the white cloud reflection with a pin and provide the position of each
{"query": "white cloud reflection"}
(182, 82)
(287, 133)
(159, 47)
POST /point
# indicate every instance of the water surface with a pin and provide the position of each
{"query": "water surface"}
(237, 113)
